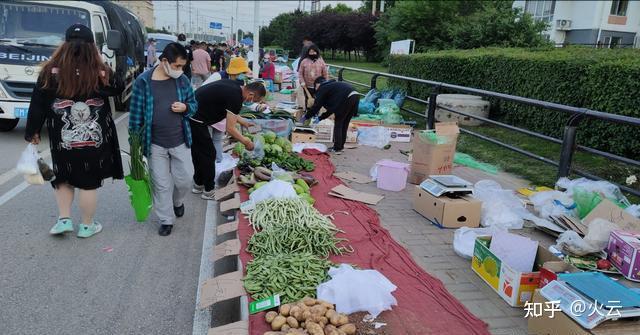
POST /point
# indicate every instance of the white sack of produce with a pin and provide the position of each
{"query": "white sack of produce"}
(357, 291)
(275, 189)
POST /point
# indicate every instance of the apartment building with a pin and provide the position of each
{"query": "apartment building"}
(607, 24)
(142, 9)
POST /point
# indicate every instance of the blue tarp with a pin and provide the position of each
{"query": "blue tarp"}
(246, 41)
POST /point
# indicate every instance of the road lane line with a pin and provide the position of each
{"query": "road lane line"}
(5, 177)
(202, 317)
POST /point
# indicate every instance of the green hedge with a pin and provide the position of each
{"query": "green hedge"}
(604, 80)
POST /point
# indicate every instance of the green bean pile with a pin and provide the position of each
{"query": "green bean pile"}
(284, 212)
(293, 276)
(296, 238)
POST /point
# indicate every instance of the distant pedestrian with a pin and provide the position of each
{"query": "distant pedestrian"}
(306, 43)
(182, 39)
(201, 65)
(312, 67)
(161, 104)
(338, 98)
(71, 97)
(151, 53)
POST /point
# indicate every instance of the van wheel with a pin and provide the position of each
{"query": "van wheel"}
(8, 124)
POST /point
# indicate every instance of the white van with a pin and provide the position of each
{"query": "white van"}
(30, 31)
(161, 42)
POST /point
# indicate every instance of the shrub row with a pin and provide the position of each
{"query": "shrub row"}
(604, 80)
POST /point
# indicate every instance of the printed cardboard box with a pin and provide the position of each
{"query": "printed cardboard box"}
(624, 253)
(302, 137)
(515, 287)
(446, 212)
(399, 132)
(430, 158)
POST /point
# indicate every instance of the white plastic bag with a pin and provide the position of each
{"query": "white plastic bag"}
(633, 210)
(298, 147)
(552, 203)
(228, 163)
(464, 239)
(274, 189)
(500, 207)
(28, 162)
(599, 231)
(605, 188)
(354, 290)
(570, 242)
(278, 173)
(377, 136)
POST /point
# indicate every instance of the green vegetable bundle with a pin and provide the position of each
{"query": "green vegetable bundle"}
(293, 276)
(277, 213)
(315, 239)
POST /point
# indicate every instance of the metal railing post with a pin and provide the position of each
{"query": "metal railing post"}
(374, 80)
(340, 74)
(568, 145)
(431, 109)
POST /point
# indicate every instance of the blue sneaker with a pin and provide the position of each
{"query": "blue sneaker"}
(85, 231)
(64, 225)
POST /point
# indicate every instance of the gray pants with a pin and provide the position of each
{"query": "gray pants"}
(171, 171)
(218, 137)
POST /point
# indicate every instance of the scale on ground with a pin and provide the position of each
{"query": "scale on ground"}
(446, 184)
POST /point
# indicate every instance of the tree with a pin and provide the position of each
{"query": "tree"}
(339, 8)
(498, 24)
(457, 24)
(367, 4)
(280, 29)
(153, 30)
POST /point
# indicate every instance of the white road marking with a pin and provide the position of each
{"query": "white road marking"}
(5, 177)
(202, 317)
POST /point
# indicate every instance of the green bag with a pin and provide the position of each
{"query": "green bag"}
(140, 196)
(585, 201)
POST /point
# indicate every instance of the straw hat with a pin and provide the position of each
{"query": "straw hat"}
(237, 65)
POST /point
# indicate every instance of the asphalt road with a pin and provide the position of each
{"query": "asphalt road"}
(125, 280)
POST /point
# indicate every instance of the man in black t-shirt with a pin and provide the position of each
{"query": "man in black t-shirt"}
(217, 101)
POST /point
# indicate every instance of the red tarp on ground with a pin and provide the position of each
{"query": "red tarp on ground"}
(424, 305)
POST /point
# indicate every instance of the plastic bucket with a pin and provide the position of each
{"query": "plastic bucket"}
(392, 175)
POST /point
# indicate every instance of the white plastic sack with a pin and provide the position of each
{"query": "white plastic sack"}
(552, 203)
(464, 239)
(606, 188)
(354, 290)
(500, 207)
(275, 189)
(298, 147)
(570, 242)
(377, 136)
(228, 163)
(278, 173)
(599, 231)
(28, 162)
(633, 210)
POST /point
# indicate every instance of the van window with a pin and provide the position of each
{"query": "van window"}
(98, 30)
(26, 23)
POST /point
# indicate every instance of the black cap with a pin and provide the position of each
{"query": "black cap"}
(79, 32)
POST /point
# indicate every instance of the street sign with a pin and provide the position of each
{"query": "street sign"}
(215, 25)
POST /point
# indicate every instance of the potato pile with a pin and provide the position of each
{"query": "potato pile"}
(309, 316)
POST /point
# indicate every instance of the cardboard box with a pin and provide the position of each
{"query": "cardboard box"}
(624, 253)
(324, 132)
(609, 211)
(364, 123)
(302, 137)
(549, 271)
(430, 158)
(515, 287)
(352, 135)
(446, 212)
(562, 324)
(399, 132)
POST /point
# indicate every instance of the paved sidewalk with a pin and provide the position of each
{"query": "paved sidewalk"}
(431, 246)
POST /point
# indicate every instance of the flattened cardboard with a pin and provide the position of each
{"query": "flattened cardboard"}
(344, 192)
(231, 204)
(236, 328)
(220, 288)
(226, 248)
(446, 212)
(562, 324)
(226, 192)
(609, 211)
(227, 227)
(354, 177)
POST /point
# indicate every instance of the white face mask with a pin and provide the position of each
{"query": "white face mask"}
(175, 74)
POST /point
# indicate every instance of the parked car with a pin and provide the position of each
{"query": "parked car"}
(161, 42)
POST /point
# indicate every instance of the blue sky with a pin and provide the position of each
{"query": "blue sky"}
(203, 12)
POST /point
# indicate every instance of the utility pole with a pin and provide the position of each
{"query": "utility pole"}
(256, 38)
(177, 16)
(232, 27)
(237, 28)
(373, 7)
(381, 6)
(190, 19)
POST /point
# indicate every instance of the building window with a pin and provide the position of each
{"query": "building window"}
(541, 10)
(619, 7)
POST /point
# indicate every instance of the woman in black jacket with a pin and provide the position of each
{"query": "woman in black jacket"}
(71, 97)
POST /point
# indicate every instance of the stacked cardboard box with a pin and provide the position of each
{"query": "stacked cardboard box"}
(434, 157)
